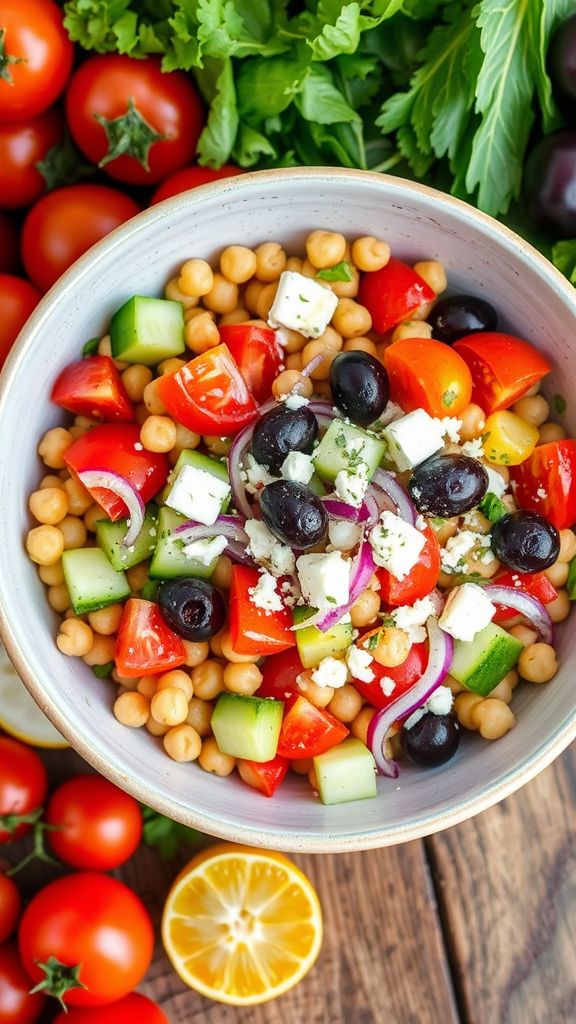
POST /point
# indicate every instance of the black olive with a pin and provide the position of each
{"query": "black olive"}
(433, 740)
(525, 541)
(360, 386)
(192, 607)
(294, 514)
(448, 485)
(282, 431)
(459, 315)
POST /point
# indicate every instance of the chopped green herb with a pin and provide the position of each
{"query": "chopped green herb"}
(438, 521)
(168, 836)
(485, 437)
(386, 619)
(103, 671)
(339, 272)
(492, 507)
(560, 404)
(372, 642)
(449, 397)
(303, 298)
(91, 347)
(331, 599)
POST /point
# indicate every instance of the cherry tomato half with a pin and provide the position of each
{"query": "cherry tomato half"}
(392, 293)
(133, 1009)
(93, 387)
(546, 482)
(17, 1006)
(22, 145)
(308, 731)
(404, 676)
(254, 630)
(18, 298)
(35, 57)
(426, 374)
(145, 644)
(191, 177)
(257, 355)
(209, 394)
(23, 787)
(421, 579)
(503, 368)
(95, 824)
(279, 674)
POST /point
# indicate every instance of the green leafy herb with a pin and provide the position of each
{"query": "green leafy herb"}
(449, 397)
(339, 272)
(386, 619)
(492, 507)
(91, 347)
(103, 671)
(564, 257)
(560, 404)
(372, 642)
(166, 835)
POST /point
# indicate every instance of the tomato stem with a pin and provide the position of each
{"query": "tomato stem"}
(10, 822)
(38, 851)
(129, 134)
(62, 165)
(60, 979)
(7, 59)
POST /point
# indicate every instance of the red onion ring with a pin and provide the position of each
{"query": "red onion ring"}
(341, 510)
(231, 527)
(123, 489)
(311, 366)
(388, 484)
(361, 573)
(441, 650)
(524, 604)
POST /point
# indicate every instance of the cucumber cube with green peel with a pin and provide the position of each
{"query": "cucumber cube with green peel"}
(247, 727)
(480, 664)
(344, 446)
(169, 560)
(347, 772)
(92, 582)
(146, 330)
(314, 645)
(110, 537)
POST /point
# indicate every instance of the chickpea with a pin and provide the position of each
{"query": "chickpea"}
(102, 650)
(477, 522)
(319, 696)
(208, 679)
(369, 253)
(92, 516)
(215, 644)
(453, 685)
(243, 679)
(75, 638)
(140, 413)
(222, 575)
(217, 445)
(346, 703)
(230, 654)
(359, 727)
(558, 573)
(313, 778)
(473, 422)
(292, 341)
(170, 365)
(201, 333)
(169, 706)
(291, 380)
(294, 263)
(106, 620)
(493, 718)
(308, 269)
(252, 294)
(137, 576)
(464, 707)
(182, 743)
(237, 316)
(152, 399)
(48, 505)
(53, 446)
(51, 480)
(52, 575)
(186, 438)
(433, 273)
(332, 339)
(474, 563)
(195, 653)
(567, 546)
(212, 759)
(135, 379)
(223, 295)
(77, 432)
(126, 684)
(196, 278)
(200, 715)
(178, 679)
(294, 362)
(325, 248)
(173, 292)
(317, 348)
(345, 289)
(322, 389)
(79, 499)
(58, 597)
(551, 432)
(525, 634)
(559, 608)
(45, 545)
(74, 533)
(351, 319)
(360, 345)
(411, 329)
(266, 298)
(158, 434)
(238, 263)
(444, 529)
(302, 766)
(392, 648)
(105, 346)
(365, 608)
(502, 692)
(538, 663)
(132, 709)
(534, 410)
(154, 727)
(270, 261)
(147, 687)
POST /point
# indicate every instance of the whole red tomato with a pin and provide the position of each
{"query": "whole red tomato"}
(10, 907)
(22, 145)
(65, 223)
(96, 927)
(35, 57)
(134, 120)
(134, 1009)
(96, 824)
(17, 300)
(23, 787)
(17, 1006)
(191, 177)
(8, 244)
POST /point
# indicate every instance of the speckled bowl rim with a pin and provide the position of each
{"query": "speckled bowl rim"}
(414, 828)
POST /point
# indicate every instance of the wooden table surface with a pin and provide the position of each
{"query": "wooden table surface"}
(475, 925)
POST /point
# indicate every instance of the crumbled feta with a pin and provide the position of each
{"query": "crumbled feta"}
(451, 427)
(475, 448)
(396, 545)
(420, 523)
(466, 612)
(198, 495)
(330, 672)
(257, 476)
(324, 579)
(453, 554)
(391, 412)
(359, 660)
(439, 703)
(496, 482)
(412, 617)
(413, 439)
(542, 492)
(267, 550)
(297, 466)
(264, 595)
(282, 560)
(302, 305)
(294, 401)
(387, 685)
(352, 486)
(344, 535)
(205, 551)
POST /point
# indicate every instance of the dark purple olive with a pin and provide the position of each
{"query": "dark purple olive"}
(458, 315)
(525, 541)
(433, 740)
(360, 386)
(281, 431)
(448, 485)
(192, 607)
(550, 181)
(294, 514)
(562, 65)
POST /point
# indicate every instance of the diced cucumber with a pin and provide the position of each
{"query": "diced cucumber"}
(110, 536)
(347, 772)
(169, 560)
(189, 457)
(147, 330)
(480, 664)
(92, 582)
(313, 645)
(247, 727)
(150, 590)
(571, 581)
(339, 450)
(316, 484)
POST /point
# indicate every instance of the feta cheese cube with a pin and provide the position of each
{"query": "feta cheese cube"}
(413, 617)
(267, 550)
(298, 466)
(264, 595)
(466, 612)
(330, 672)
(413, 438)
(453, 554)
(344, 535)
(396, 545)
(352, 486)
(302, 305)
(359, 660)
(205, 551)
(324, 579)
(198, 495)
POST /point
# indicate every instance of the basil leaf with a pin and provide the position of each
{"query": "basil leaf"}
(91, 347)
(339, 272)
(492, 507)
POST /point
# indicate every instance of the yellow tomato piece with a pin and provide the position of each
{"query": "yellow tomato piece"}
(508, 440)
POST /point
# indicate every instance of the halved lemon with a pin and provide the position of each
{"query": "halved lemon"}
(19, 713)
(241, 925)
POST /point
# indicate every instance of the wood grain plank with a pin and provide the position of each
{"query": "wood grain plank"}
(506, 883)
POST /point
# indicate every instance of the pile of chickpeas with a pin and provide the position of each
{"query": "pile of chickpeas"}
(177, 706)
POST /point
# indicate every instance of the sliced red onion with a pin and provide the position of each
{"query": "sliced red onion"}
(238, 553)
(235, 459)
(524, 604)
(320, 407)
(231, 527)
(361, 572)
(388, 484)
(341, 510)
(441, 650)
(312, 365)
(123, 489)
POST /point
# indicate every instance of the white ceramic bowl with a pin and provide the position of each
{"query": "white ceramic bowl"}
(481, 257)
